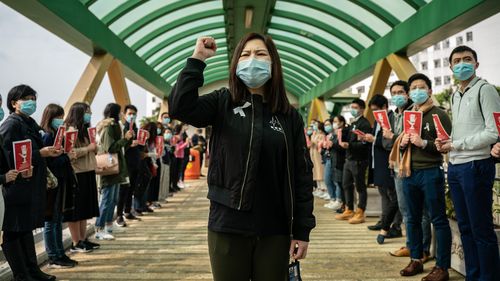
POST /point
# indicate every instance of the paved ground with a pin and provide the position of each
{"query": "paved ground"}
(170, 244)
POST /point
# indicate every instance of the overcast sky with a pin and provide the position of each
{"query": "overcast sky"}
(31, 55)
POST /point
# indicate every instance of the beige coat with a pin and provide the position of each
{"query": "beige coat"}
(318, 169)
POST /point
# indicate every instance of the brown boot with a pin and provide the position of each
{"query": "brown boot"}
(346, 215)
(402, 252)
(437, 274)
(359, 217)
(412, 269)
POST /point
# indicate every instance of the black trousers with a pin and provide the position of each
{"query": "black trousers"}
(235, 257)
(355, 176)
(126, 194)
(175, 168)
(154, 185)
(390, 206)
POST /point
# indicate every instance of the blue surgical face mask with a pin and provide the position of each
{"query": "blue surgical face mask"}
(399, 100)
(166, 121)
(56, 123)
(315, 127)
(167, 136)
(354, 112)
(130, 118)
(309, 132)
(419, 96)
(2, 114)
(86, 118)
(254, 73)
(463, 71)
(158, 131)
(328, 129)
(28, 107)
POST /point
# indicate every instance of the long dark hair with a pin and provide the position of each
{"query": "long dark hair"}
(50, 113)
(75, 119)
(112, 110)
(275, 92)
(151, 128)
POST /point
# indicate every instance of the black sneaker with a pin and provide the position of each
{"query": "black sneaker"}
(81, 247)
(148, 210)
(60, 263)
(120, 221)
(68, 259)
(137, 213)
(131, 216)
(92, 245)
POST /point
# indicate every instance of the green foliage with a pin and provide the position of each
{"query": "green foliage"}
(147, 119)
(444, 98)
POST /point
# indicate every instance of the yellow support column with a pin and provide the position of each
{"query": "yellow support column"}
(86, 88)
(377, 87)
(317, 111)
(118, 84)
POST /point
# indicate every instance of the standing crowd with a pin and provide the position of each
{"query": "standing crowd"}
(408, 169)
(90, 177)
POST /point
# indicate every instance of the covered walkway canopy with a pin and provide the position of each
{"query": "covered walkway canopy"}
(325, 45)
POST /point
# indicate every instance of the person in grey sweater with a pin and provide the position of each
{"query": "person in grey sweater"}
(471, 170)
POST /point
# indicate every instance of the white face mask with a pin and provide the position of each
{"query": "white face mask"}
(335, 126)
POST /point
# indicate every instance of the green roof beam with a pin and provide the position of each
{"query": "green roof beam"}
(416, 4)
(378, 11)
(301, 70)
(298, 53)
(177, 68)
(120, 10)
(293, 58)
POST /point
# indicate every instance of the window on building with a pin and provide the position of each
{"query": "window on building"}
(468, 36)
(446, 43)
(361, 89)
(437, 63)
(446, 63)
(460, 40)
(437, 46)
(447, 80)
(437, 81)
(424, 65)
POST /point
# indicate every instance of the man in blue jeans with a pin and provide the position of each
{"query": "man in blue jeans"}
(471, 170)
(420, 165)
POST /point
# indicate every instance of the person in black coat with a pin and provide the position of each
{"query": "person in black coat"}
(260, 175)
(383, 176)
(61, 199)
(25, 197)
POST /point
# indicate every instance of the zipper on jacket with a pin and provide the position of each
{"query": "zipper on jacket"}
(249, 153)
(289, 180)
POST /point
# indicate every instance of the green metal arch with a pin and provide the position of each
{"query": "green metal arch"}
(187, 45)
(291, 57)
(216, 77)
(339, 14)
(293, 89)
(171, 25)
(320, 25)
(155, 14)
(306, 46)
(177, 37)
(300, 54)
(300, 69)
(299, 76)
(172, 71)
(379, 12)
(416, 4)
(318, 39)
(218, 69)
(120, 10)
(295, 81)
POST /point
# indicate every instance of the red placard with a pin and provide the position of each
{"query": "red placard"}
(22, 155)
(440, 131)
(339, 135)
(92, 134)
(58, 141)
(496, 115)
(382, 119)
(412, 122)
(359, 133)
(160, 144)
(69, 140)
(142, 136)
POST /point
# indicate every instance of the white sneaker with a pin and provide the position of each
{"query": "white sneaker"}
(101, 235)
(336, 205)
(328, 205)
(109, 229)
(325, 196)
(180, 184)
(317, 192)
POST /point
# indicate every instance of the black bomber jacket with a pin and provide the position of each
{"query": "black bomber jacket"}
(235, 145)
